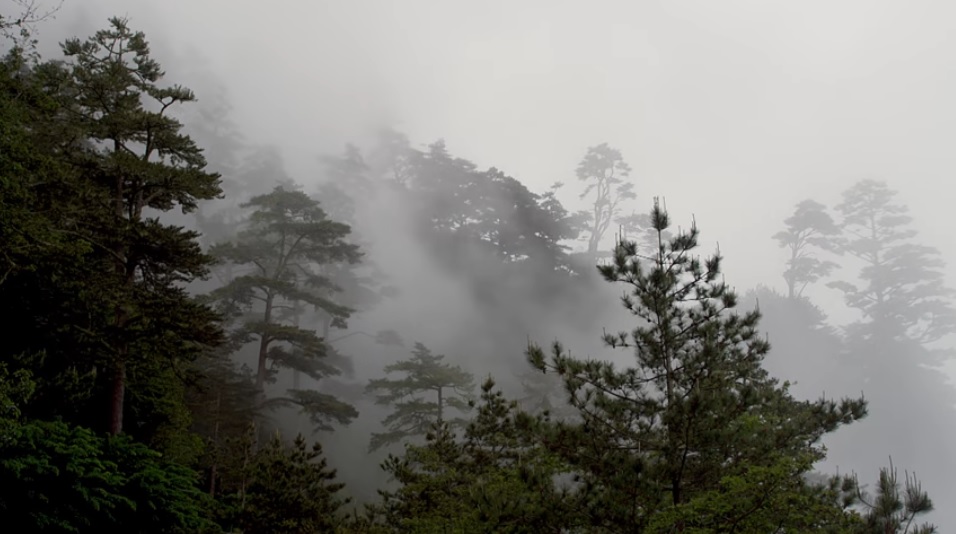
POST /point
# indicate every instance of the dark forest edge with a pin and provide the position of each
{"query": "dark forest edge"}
(145, 364)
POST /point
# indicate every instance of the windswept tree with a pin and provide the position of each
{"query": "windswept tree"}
(422, 397)
(809, 227)
(606, 174)
(287, 239)
(696, 407)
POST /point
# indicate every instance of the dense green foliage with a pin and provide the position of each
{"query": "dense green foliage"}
(150, 371)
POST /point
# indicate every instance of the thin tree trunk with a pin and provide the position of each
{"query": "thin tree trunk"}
(117, 396)
(118, 385)
(264, 348)
(213, 470)
(441, 405)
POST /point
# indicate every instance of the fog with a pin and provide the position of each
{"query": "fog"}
(732, 111)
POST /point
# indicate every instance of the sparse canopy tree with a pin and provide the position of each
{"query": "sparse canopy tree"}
(905, 310)
(425, 375)
(696, 407)
(288, 236)
(903, 294)
(894, 509)
(606, 174)
(809, 227)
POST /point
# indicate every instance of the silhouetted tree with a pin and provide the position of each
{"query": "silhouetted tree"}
(287, 237)
(905, 309)
(809, 227)
(605, 172)
(425, 375)
(904, 294)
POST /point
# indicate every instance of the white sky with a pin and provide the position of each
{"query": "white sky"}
(733, 110)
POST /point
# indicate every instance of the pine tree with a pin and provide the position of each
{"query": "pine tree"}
(113, 310)
(425, 375)
(287, 238)
(696, 407)
(291, 489)
(904, 310)
(605, 172)
(809, 227)
(494, 478)
(904, 294)
(142, 162)
(894, 509)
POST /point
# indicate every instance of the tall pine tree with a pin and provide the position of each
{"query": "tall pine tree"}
(116, 314)
(277, 255)
(696, 406)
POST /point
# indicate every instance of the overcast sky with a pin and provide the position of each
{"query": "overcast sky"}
(732, 110)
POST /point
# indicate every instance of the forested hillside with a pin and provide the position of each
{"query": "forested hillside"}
(196, 341)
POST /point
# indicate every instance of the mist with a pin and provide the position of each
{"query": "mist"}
(731, 112)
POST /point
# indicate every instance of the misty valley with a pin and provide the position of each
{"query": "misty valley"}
(199, 339)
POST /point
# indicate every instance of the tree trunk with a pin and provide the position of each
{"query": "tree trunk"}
(118, 385)
(117, 395)
(264, 348)
(440, 405)
(213, 469)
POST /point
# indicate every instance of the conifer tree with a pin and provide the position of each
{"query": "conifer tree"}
(606, 173)
(130, 160)
(290, 489)
(809, 227)
(895, 507)
(421, 397)
(905, 309)
(496, 477)
(697, 405)
(287, 238)
(903, 296)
